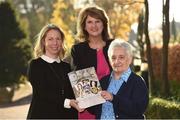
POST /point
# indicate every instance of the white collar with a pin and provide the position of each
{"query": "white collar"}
(50, 60)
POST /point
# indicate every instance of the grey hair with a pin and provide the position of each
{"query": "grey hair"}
(122, 44)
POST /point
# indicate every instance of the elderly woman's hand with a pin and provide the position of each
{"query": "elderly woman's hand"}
(74, 104)
(106, 95)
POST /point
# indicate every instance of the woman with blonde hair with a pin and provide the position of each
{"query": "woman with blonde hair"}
(52, 93)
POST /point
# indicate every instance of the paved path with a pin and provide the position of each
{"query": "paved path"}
(19, 107)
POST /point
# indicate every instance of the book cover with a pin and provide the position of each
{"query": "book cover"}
(86, 87)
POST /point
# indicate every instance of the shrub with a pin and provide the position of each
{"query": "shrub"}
(162, 109)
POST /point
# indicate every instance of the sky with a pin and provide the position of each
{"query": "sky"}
(155, 12)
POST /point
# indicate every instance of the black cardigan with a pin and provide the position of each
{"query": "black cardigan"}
(48, 97)
(83, 56)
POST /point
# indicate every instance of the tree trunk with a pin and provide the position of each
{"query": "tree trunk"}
(166, 37)
(140, 32)
(148, 43)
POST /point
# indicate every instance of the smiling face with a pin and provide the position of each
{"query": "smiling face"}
(119, 60)
(93, 26)
(53, 43)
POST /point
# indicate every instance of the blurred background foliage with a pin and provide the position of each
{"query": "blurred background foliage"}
(15, 47)
(122, 15)
(21, 21)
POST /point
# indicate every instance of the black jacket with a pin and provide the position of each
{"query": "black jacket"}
(50, 90)
(83, 56)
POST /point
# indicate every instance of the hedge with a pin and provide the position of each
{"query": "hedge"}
(162, 109)
(173, 61)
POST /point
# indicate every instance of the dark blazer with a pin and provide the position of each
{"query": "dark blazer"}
(49, 90)
(131, 100)
(83, 56)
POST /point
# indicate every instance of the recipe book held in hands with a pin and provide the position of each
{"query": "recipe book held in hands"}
(86, 87)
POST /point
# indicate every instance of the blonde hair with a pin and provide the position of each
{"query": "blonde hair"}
(39, 48)
(95, 12)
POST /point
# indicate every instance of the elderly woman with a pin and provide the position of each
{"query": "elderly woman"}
(125, 92)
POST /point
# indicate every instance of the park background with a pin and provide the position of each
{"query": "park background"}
(151, 26)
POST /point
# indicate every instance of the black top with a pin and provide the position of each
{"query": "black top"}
(84, 56)
(50, 86)
(131, 100)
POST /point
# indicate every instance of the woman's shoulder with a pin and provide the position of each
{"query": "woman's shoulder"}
(80, 44)
(36, 61)
(80, 47)
(134, 75)
(136, 78)
(36, 64)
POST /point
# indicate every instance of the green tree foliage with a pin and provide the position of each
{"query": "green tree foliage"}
(14, 48)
